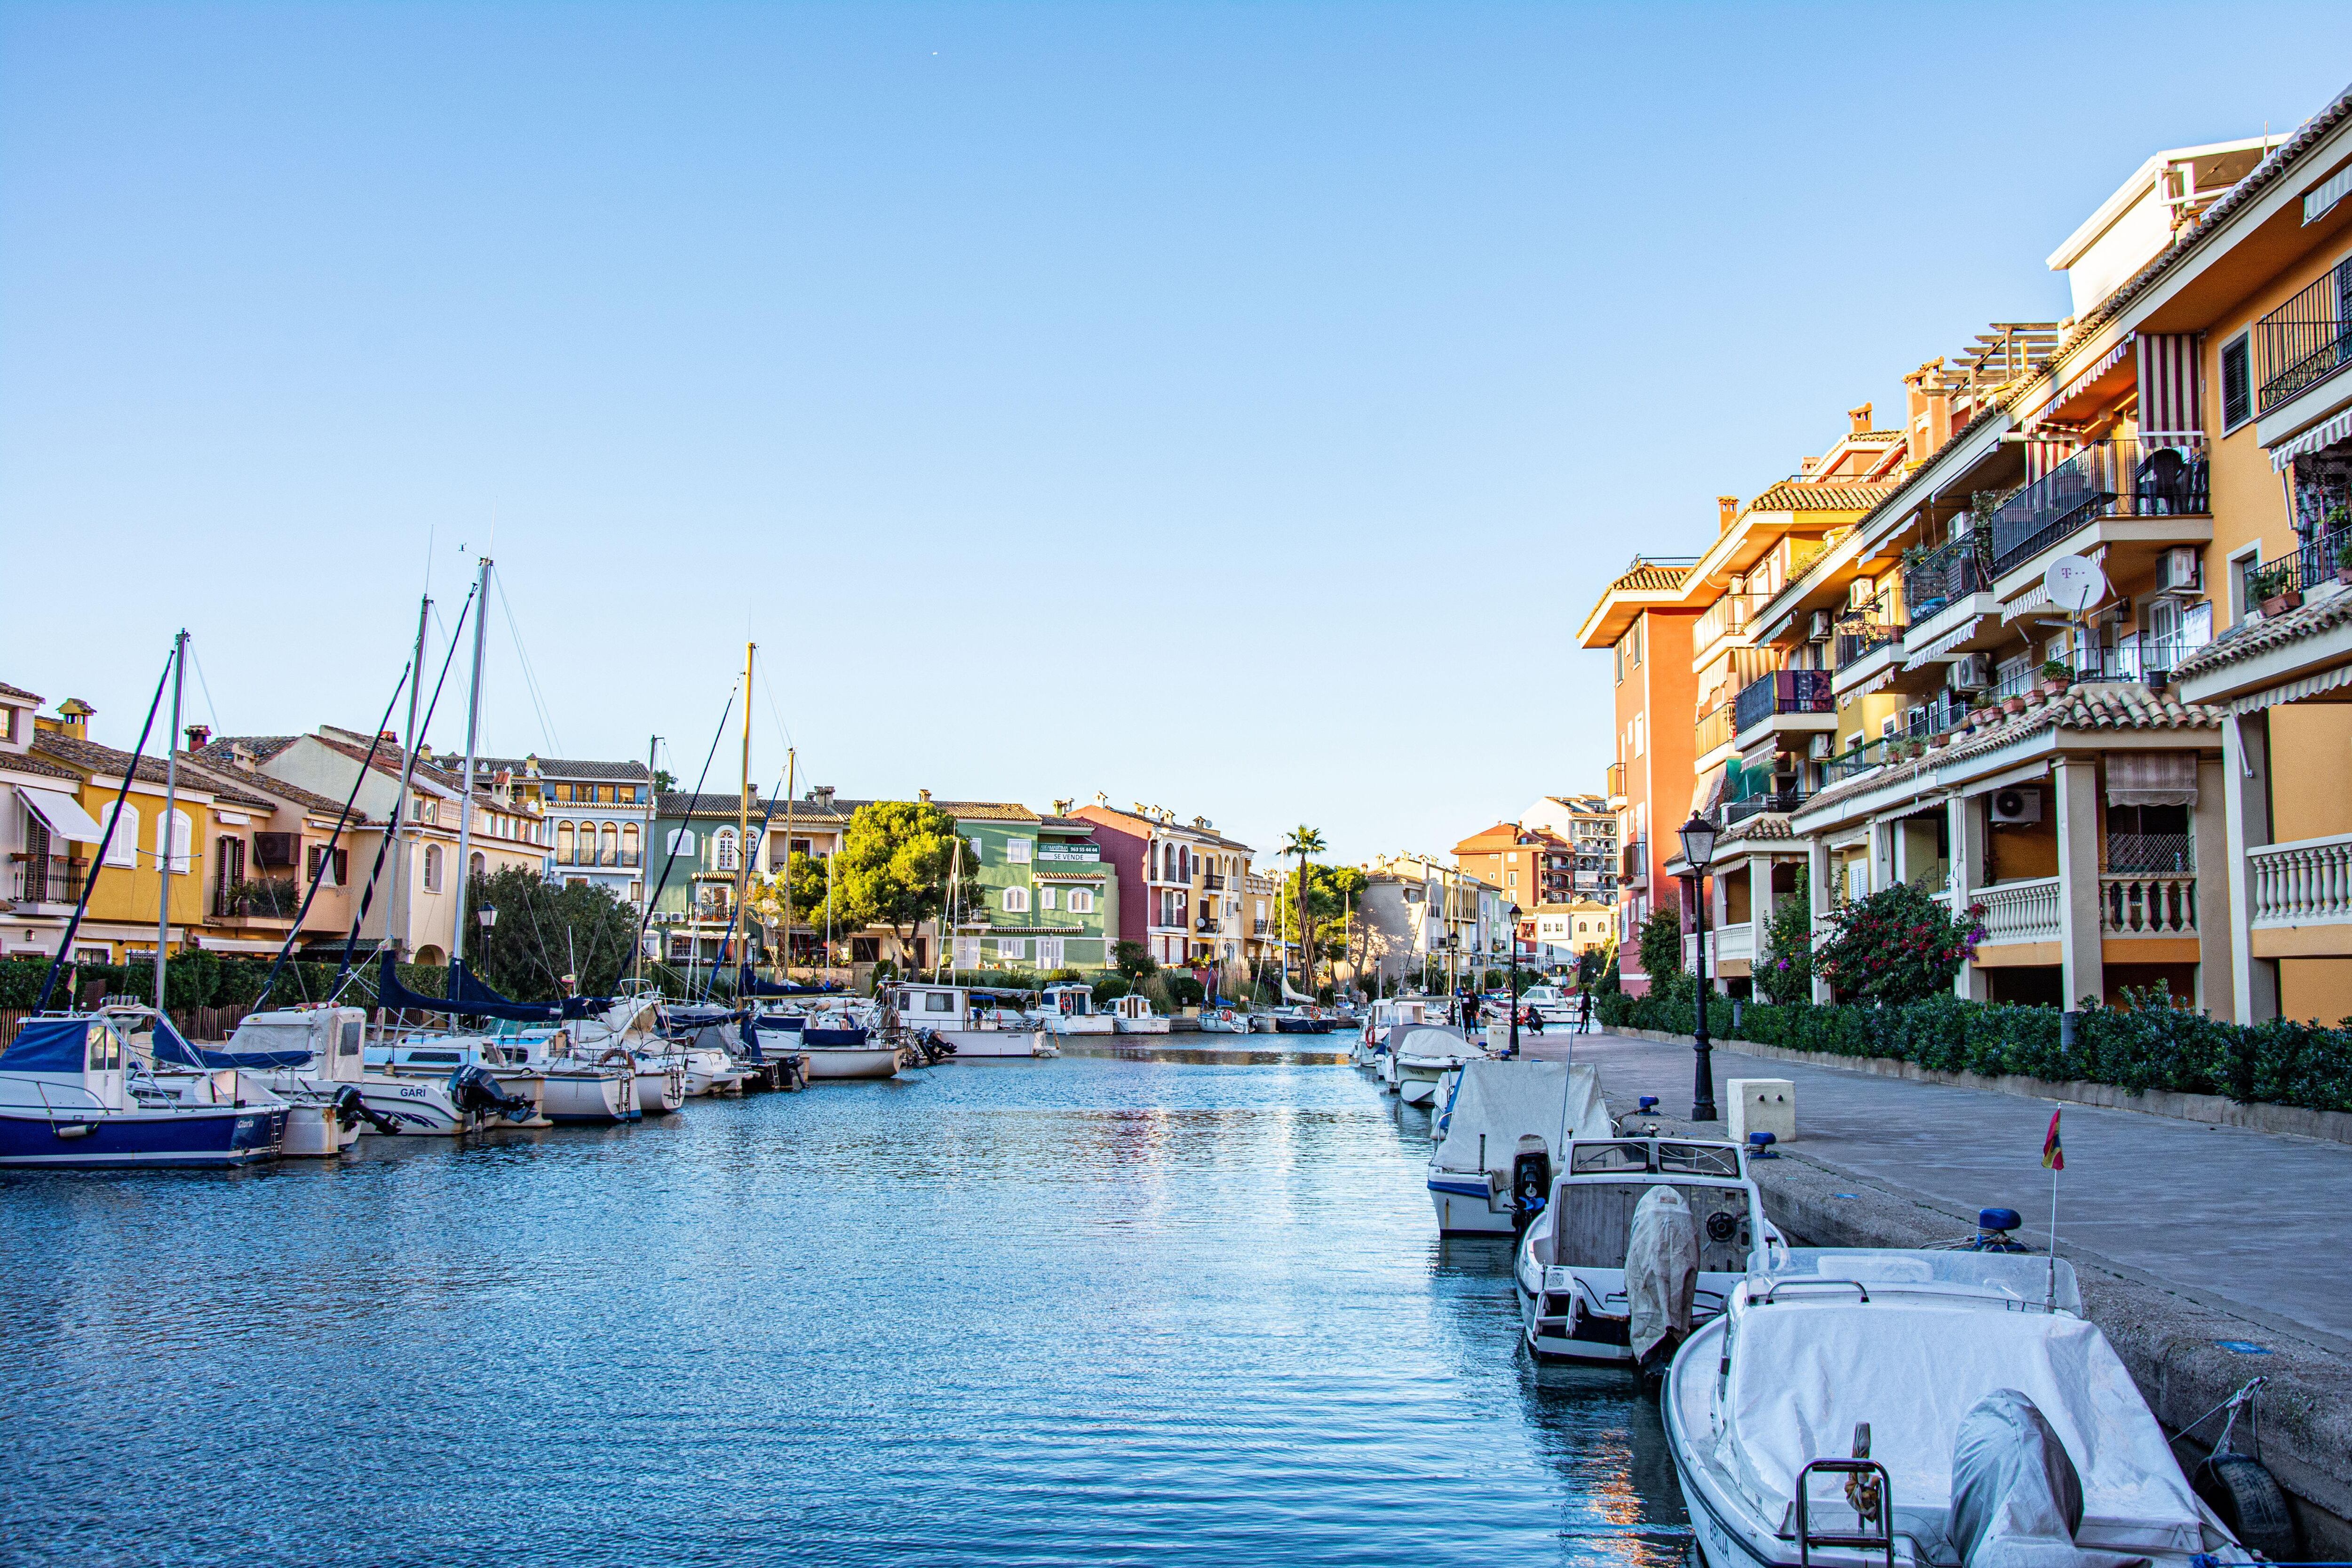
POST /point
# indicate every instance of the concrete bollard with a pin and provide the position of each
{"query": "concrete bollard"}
(1762, 1105)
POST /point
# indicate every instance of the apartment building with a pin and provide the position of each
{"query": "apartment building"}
(1531, 865)
(1588, 826)
(599, 817)
(1420, 917)
(1183, 886)
(2142, 786)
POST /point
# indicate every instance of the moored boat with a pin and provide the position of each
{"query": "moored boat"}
(1133, 1014)
(1491, 1109)
(72, 1094)
(976, 1021)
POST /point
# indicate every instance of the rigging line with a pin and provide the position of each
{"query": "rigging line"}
(740, 913)
(206, 687)
(529, 677)
(696, 799)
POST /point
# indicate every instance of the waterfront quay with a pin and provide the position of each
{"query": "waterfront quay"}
(1088, 1311)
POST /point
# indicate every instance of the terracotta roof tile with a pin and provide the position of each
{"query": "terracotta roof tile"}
(1650, 576)
(570, 768)
(18, 692)
(1790, 496)
(25, 763)
(2261, 633)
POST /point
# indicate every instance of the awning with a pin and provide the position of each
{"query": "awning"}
(1873, 683)
(62, 815)
(2292, 691)
(1945, 643)
(2056, 408)
(1709, 793)
(2326, 433)
(2151, 778)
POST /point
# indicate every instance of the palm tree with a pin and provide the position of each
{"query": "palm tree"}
(1303, 841)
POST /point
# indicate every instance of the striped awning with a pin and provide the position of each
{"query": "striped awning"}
(1945, 643)
(1873, 683)
(2292, 691)
(2056, 407)
(2171, 387)
(2325, 434)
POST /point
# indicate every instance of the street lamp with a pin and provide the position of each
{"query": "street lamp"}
(488, 915)
(1698, 850)
(1515, 980)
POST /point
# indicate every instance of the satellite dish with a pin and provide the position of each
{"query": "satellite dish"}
(2074, 584)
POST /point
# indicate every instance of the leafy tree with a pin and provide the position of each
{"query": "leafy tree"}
(1660, 943)
(1897, 945)
(664, 780)
(1303, 842)
(544, 932)
(1132, 960)
(893, 868)
(1331, 893)
(1110, 988)
(1785, 973)
(797, 895)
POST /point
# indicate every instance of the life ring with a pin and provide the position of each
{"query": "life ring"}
(617, 1058)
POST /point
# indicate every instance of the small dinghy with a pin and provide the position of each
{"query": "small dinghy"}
(1492, 1110)
(1577, 1266)
(1943, 1409)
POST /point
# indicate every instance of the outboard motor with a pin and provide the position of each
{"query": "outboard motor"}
(1530, 1182)
(1661, 1265)
(477, 1093)
(2017, 1497)
(351, 1109)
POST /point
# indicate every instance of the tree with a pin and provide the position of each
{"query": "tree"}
(664, 780)
(544, 932)
(1133, 960)
(1660, 943)
(1785, 971)
(1332, 891)
(796, 898)
(894, 866)
(1897, 945)
(1303, 841)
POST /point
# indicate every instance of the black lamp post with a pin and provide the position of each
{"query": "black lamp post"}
(1698, 849)
(1514, 919)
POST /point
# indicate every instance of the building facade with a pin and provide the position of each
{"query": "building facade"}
(599, 817)
(1183, 887)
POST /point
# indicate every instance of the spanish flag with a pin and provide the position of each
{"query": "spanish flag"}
(2053, 1158)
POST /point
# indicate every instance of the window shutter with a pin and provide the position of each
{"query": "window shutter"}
(2237, 384)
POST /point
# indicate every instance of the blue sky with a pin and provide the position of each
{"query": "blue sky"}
(1228, 408)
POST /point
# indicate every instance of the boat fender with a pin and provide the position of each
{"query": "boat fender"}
(2239, 1488)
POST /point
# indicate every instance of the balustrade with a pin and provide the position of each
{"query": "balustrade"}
(2306, 882)
(2021, 912)
(2148, 905)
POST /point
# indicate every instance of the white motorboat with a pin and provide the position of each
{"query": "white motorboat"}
(320, 1049)
(1133, 1014)
(1387, 1016)
(1571, 1272)
(1421, 1054)
(1491, 1112)
(320, 1122)
(1923, 1408)
(533, 1062)
(1067, 1007)
(976, 1021)
(1550, 1003)
(1224, 1021)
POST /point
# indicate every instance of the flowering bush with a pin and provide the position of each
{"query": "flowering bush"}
(1784, 972)
(1897, 945)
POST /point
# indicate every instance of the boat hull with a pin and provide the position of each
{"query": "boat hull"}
(1465, 1206)
(314, 1131)
(209, 1137)
(1142, 1026)
(589, 1097)
(660, 1090)
(971, 1043)
(845, 1062)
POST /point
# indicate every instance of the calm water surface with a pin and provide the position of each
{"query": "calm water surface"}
(1091, 1310)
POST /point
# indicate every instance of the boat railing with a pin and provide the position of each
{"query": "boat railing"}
(41, 1087)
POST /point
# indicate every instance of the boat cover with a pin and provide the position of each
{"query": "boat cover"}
(2023, 1277)
(466, 996)
(48, 1045)
(172, 1048)
(1507, 1100)
(2017, 1498)
(750, 984)
(1805, 1370)
(1424, 1043)
(1661, 1268)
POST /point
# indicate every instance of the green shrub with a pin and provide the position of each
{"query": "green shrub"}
(1896, 945)
(1110, 988)
(1784, 973)
(1660, 943)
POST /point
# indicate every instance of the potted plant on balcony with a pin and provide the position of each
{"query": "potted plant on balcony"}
(2343, 557)
(2014, 704)
(2055, 677)
(2269, 585)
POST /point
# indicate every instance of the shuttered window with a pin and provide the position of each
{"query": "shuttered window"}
(2237, 383)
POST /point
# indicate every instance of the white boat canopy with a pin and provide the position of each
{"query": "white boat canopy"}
(1506, 1101)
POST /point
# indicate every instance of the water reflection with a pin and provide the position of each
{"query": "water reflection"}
(1086, 1312)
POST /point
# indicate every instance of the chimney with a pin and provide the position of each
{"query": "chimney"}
(924, 796)
(1062, 808)
(242, 755)
(199, 737)
(1728, 511)
(1861, 419)
(73, 717)
(823, 795)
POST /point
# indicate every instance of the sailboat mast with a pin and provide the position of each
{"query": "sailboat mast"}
(395, 917)
(466, 784)
(792, 784)
(743, 809)
(653, 798)
(166, 842)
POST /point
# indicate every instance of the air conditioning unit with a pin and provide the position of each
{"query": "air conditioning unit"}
(1823, 748)
(1820, 629)
(1972, 672)
(2020, 803)
(2180, 570)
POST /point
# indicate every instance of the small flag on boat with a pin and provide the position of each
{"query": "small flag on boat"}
(2053, 1158)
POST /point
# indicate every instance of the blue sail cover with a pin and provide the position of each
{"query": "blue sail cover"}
(750, 984)
(172, 1048)
(466, 996)
(47, 1045)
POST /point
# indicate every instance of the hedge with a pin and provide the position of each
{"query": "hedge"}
(2150, 1045)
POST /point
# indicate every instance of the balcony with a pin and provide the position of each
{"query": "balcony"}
(267, 898)
(2147, 906)
(1633, 865)
(1861, 634)
(2021, 912)
(1784, 692)
(1728, 616)
(1714, 729)
(2305, 341)
(48, 880)
(2300, 572)
(1735, 943)
(1213, 882)
(1776, 800)
(2107, 479)
(2306, 882)
(1613, 784)
(1949, 573)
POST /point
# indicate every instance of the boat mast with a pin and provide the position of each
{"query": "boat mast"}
(653, 799)
(165, 841)
(466, 784)
(743, 821)
(792, 783)
(395, 917)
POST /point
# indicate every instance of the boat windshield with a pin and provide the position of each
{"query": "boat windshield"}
(1600, 1159)
(1699, 1159)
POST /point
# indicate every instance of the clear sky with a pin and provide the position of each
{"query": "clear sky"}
(1228, 408)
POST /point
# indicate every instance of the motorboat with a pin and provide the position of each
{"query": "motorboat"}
(976, 1021)
(73, 1094)
(1224, 1021)
(1494, 1116)
(1579, 1273)
(1386, 1016)
(1923, 1408)
(1304, 1018)
(318, 1051)
(1550, 1004)
(839, 1044)
(322, 1120)
(1419, 1055)
(1067, 1007)
(1133, 1014)
(533, 1067)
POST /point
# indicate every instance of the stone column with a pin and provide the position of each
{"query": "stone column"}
(2217, 933)
(1817, 868)
(2076, 792)
(1968, 840)
(2246, 809)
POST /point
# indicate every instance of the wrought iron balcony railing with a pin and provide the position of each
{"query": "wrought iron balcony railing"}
(1784, 692)
(1953, 570)
(2106, 478)
(2306, 340)
(48, 880)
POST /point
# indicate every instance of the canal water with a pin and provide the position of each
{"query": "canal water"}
(1086, 1312)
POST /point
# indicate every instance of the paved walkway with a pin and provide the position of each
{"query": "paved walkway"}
(2259, 1221)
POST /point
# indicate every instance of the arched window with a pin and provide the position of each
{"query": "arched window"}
(1082, 901)
(722, 849)
(122, 844)
(681, 841)
(629, 843)
(433, 867)
(479, 865)
(564, 850)
(612, 855)
(1016, 900)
